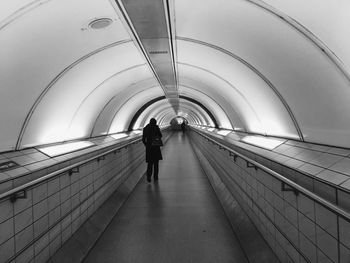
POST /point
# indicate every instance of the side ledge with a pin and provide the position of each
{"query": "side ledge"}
(252, 243)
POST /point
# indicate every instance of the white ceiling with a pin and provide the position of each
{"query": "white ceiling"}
(278, 68)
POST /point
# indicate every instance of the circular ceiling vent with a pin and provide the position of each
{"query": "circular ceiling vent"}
(100, 23)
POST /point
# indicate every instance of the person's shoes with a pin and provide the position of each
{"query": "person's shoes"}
(148, 179)
(156, 178)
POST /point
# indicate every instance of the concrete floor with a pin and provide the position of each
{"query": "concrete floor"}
(178, 219)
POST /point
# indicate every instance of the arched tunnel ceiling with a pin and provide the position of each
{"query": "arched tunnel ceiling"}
(269, 67)
(307, 78)
(162, 111)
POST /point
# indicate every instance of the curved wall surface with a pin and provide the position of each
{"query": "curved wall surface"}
(76, 69)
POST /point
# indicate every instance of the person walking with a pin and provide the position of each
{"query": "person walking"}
(151, 138)
(183, 127)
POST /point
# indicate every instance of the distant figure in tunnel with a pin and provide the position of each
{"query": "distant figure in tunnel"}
(151, 138)
(183, 127)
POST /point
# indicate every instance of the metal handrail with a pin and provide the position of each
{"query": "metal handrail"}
(283, 179)
(69, 168)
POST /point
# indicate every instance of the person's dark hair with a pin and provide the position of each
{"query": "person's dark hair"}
(153, 121)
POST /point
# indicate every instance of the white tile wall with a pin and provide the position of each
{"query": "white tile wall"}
(55, 244)
(309, 231)
(327, 220)
(53, 186)
(344, 254)
(307, 227)
(40, 209)
(7, 250)
(6, 209)
(26, 256)
(23, 238)
(37, 226)
(40, 193)
(43, 256)
(327, 244)
(308, 248)
(23, 219)
(344, 232)
(6, 230)
(41, 226)
(321, 257)
(325, 191)
(54, 216)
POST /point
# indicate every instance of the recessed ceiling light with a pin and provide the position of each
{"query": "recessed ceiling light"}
(100, 23)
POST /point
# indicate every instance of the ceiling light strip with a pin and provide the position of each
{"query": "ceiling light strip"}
(171, 26)
(127, 21)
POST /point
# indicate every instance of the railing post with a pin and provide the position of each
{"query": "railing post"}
(18, 195)
(284, 188)
(249, 165)
(73, 171)
(234, 156)
(101, 158)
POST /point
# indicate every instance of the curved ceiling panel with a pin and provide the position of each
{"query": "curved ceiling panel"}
(167, 116)
(274, 118)
(153, 112)
(163, 120)
(270, 67)
(235, 104)
(105, 118)
(188, 109)
(12, 9)
(119, 85)
(123, 116)
(301, 72)
(37, 44)
(329, 23)
(140, 110)
(192, 116)
(51, 119)
(202, 107)
(213, 106)
(205, 119)
(218, 94)
(185, 99)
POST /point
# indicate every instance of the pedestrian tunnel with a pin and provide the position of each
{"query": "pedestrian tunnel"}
(263, 87)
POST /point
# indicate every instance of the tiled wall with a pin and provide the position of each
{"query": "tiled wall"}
(296, 228)
(33, 164)
(32, 229)
(321, 169)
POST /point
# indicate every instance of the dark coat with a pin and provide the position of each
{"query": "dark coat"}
(153, 153)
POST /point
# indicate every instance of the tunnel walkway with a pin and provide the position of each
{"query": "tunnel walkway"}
(178, 219)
